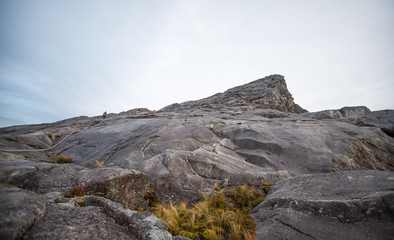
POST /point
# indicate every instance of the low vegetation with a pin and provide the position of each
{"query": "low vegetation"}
(53, 137)
(50, 135)
(213, 218)
(60, 159)
(244, 199)
(77, 191)
(99, 164)
(78, 194)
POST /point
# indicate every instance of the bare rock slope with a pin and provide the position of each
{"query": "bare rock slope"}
(341, 205)
(251, 133)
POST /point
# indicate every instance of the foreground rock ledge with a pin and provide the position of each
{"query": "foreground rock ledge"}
(342, 205)
(19, 210)
(24, 214)
(101, 219)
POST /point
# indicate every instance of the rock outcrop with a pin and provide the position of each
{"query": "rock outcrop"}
(253, 133)
(265, 93)
(19, 209)
(352, 114)
(382, 119)
(342, 205)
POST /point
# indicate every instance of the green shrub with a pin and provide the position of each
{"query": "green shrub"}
(217, 202)
(245, 199)
(266, 186)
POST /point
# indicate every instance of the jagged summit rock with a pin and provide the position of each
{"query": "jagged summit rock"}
(249, 134)
(265, 93)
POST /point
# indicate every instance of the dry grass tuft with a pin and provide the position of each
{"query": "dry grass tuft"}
(99, 164)
(50, 135)
(60, 159)
(213, 218)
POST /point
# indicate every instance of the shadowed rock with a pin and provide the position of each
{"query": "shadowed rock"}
(65, 221)
(382, 119)
(144, 225)
(343, 205)
(127, 187)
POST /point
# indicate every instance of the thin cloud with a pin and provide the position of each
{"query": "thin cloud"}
(64, 59)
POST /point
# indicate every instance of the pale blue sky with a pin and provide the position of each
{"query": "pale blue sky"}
(61, 59)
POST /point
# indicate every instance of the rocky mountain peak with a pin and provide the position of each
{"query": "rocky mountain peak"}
(265, 93)
(332, 170)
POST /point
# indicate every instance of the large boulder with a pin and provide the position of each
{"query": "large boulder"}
(190, 173)
(304, 146)
(342, 205)
(351, 114)
(382, 119)
(144, 225)
(65, 221)
(99, 219)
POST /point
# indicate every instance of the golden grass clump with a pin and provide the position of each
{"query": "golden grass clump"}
(50, 135)
(60, 159)
(213, 218)
(99, 164)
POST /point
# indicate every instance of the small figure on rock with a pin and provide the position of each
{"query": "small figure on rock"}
(187, 113)
(104, 114)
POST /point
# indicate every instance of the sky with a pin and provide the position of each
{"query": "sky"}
(61, 59)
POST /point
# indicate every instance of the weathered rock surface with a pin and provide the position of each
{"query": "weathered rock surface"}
(65, 221)
(182, 157)
(31, 216)
(251, 133)
(127, 187)
(352, 114)
(382, 119)
(144, 225)
(267, 93)
(343, 205)
(100, 219)
(19, 210)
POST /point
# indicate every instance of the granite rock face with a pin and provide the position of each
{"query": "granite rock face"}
(127, 187)
(342, 205)
(265, 93)
(382, 119)
(144, 225)
(19, 209)
(251, 133)
(65, 221)
(99, 219)
(351, 114)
